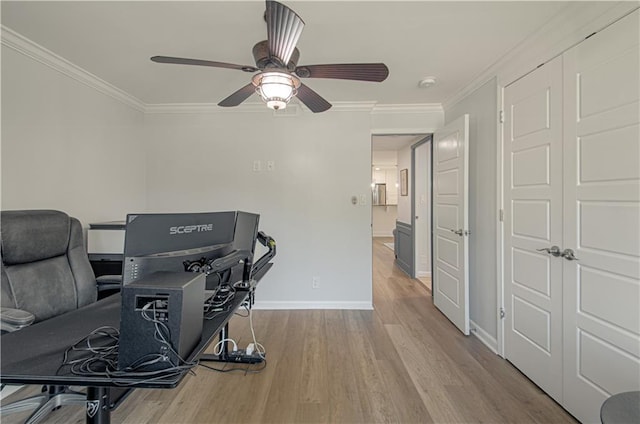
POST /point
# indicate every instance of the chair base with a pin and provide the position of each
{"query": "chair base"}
(7, 390)
(53, 397)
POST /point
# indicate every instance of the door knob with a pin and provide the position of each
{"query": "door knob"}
(553, 251)
(569, 255)
(458, 232)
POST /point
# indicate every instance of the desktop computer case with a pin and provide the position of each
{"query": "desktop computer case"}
(178, 300)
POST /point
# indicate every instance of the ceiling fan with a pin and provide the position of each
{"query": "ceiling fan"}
(278, 75)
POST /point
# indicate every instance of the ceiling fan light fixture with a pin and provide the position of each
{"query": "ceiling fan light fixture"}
(276, 88)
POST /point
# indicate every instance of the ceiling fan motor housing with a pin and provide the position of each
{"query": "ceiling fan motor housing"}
(264, 60)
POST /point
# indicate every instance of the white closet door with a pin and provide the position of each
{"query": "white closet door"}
(602, 219)
(451, 220)
(533, 222)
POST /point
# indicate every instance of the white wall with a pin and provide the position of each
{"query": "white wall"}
(481, 105)
(204, 161)
(384, 220)
(67, 146)
(404, 202)
(384, 157)
(408, 119)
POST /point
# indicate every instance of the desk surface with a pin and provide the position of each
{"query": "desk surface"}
(34, 354)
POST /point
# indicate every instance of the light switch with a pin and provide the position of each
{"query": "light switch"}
(363, 200)
(257, 166)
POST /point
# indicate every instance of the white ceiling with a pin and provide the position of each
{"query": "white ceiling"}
(452, 41)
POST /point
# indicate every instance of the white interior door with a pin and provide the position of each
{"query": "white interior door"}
(602, 218)
(532, 223)
(422, 207)
(451, 217)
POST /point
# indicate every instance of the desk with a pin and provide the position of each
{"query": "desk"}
(34, 354)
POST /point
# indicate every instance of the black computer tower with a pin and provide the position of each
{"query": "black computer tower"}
(175, 300)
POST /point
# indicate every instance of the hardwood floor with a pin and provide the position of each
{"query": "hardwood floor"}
(401, 363)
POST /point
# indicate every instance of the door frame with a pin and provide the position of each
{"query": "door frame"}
(500, 86)
(428, 138)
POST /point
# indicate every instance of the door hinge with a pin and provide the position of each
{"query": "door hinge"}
(502, 314)
(501, 212)
(502, 117)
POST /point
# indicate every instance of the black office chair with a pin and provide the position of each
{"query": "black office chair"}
(45, 273)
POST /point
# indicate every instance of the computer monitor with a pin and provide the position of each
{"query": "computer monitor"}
(220, 244)
(245, 236)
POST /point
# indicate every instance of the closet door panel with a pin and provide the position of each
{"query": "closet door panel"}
(533, 222)
(601, 310)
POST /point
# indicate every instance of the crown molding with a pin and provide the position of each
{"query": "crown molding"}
(407, 108)
(352, 107)
(568, 27)
(204, 108)
(23, 45)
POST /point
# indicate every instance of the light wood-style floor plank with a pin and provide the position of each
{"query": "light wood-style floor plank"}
(403, 362)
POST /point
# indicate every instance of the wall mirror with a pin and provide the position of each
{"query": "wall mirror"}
(379, 194)
(384, 185)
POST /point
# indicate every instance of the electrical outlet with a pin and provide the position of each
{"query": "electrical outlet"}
(315, 283)
(271, 165)
(257, 166)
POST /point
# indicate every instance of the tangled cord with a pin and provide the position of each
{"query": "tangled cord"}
(222, 296)
(97, 355)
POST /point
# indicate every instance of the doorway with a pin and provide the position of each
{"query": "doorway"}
(392, 208)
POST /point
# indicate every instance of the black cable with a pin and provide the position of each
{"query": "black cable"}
(223, 295)
(105, 351)
(101, 360)
(247, 369)
(216, 312)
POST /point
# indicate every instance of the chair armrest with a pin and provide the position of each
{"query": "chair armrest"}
(109, 282)
(14, 319)
(109, 279)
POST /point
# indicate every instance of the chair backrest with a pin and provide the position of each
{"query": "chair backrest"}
(45, 267)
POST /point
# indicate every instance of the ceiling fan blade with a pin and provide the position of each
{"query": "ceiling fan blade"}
(284, 27)
(199, 62)
(239, 96)
(312, 100)
(375, 72)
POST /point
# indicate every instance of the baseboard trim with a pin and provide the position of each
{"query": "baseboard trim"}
(424, 274)
(283, 305)
(486, 338)
(383, 234)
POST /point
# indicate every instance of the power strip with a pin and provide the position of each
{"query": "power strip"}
(241, 356)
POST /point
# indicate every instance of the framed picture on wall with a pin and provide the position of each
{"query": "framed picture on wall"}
(404, 182)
